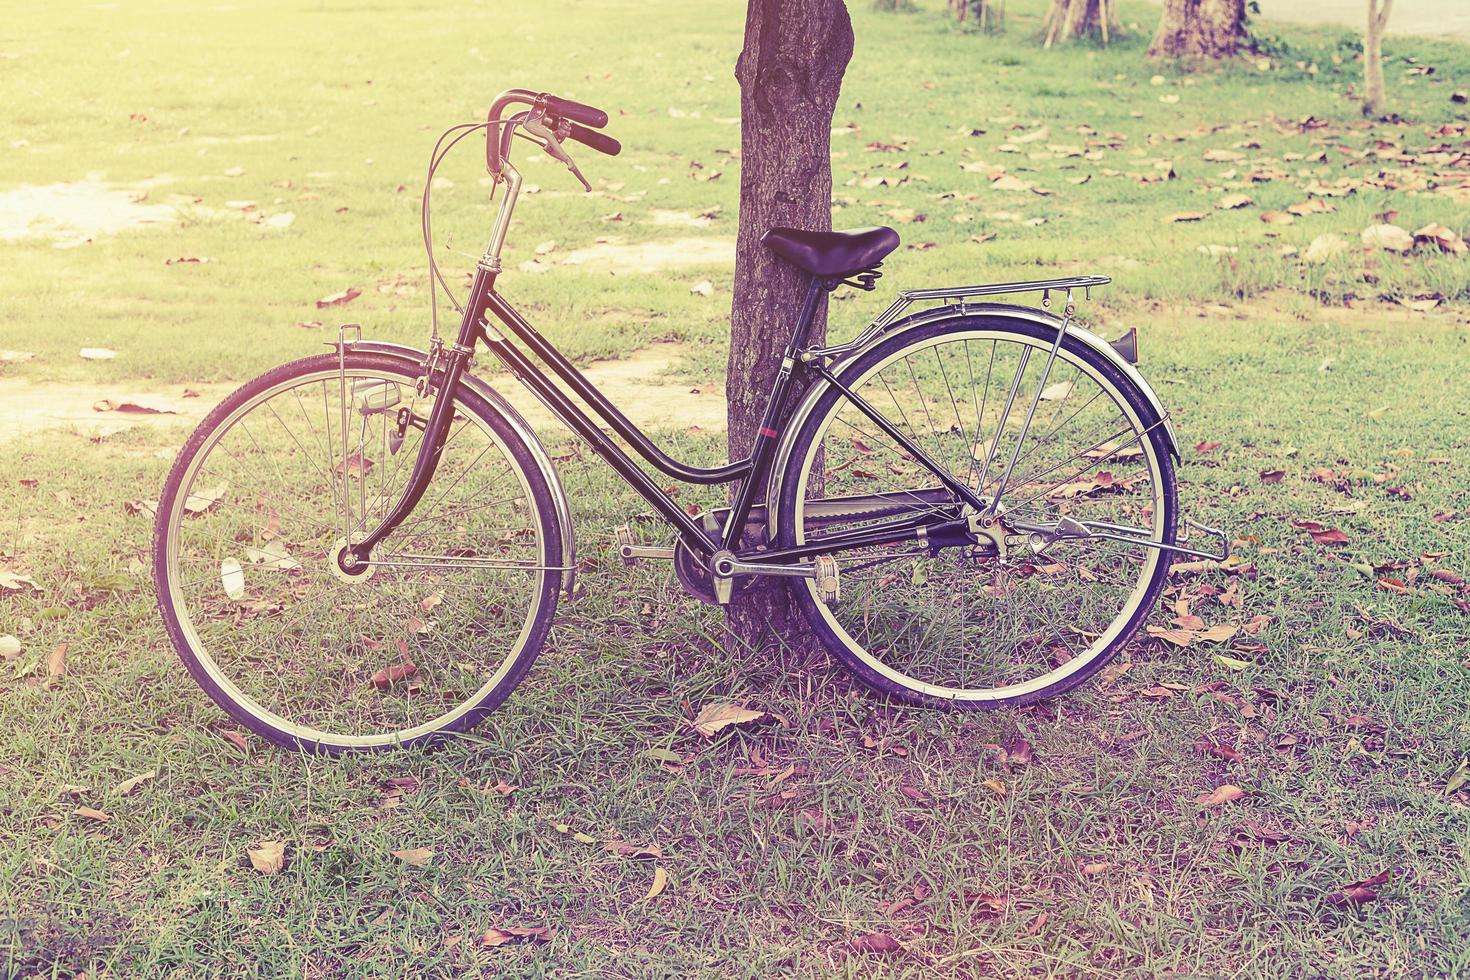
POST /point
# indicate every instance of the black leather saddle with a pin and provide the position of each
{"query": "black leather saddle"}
(832, 254)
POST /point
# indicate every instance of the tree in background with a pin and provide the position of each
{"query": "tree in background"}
(790, 72)
(1199, 29)
(988, 16)
(1373, 56)
(1069, 19)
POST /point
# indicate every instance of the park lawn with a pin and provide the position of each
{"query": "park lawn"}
(838, 816)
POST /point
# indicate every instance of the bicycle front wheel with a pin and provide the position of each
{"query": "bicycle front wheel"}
(425, 639)
(980, 621)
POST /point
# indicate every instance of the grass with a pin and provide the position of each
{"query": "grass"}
(1096, 859)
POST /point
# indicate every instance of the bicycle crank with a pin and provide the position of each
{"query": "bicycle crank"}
(823, 569)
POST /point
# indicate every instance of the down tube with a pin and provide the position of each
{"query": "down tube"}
(565, 409)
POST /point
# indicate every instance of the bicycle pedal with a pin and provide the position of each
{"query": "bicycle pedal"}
(623, 535)
(829, 587)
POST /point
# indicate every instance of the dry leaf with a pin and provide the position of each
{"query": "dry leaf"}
(15, 583)
(703, 288)
(56, 660)
(714, 717)
(129, 786)
(500, 935)
(97, 354)
(91, 814)
(267, 856)
(1360, 892)
(660, 882)
(1227, 793)
(877, 942)
(9, 647)
(1181, 216)
(1277, 218)
(388, 676)
(339, 299)
(1232, 201)
(416, 856)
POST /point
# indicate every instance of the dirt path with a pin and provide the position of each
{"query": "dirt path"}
(637, 384)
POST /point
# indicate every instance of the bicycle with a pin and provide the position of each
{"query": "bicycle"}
(975, 502)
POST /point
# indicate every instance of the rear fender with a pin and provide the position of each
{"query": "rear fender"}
(522, 428)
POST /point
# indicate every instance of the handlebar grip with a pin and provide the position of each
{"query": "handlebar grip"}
(577, 112)
(601, 142)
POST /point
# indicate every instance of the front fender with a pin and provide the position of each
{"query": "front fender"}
(522, 428)
(1002, 311)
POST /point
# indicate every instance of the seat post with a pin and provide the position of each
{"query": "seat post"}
(815, 286)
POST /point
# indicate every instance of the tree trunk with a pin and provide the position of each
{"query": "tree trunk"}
(1199, 29)
(1373, 56)
(790, 72)
(1068, 19)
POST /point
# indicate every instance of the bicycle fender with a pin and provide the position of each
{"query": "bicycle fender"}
(523, 429)
(1003, 311)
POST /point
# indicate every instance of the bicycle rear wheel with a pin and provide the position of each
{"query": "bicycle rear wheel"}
(957, 623)
(426, 639)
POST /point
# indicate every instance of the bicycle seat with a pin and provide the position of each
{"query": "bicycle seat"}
(832, 254)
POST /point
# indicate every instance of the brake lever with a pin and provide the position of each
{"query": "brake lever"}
(537, 127)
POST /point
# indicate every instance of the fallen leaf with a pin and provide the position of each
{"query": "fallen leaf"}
(56, 660)
(1390, 237)
(500, 935)
(1018, 751)
(1323, 248)
(1096, 867)
(623, 849)
(714, 717)
(1360, 892)
(232, 577)
(199, 501)
(1277, 218)
(1459, 778)
(237, 740)
(97, 354)
(660, 882)
(129, 786)
(388, 676)
(702, 288)
(1182, 216)
(1272, 476)
(339, 299)
(877, 942)
(9, 647)
(416, 856)
(15, 356)
(1227, 793)
(91, 814)
(13, 582)
(267, 856)
(1231, 202)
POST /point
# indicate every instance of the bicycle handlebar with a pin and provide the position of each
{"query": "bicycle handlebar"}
(577, 112)
(572, 113)
(601, 142)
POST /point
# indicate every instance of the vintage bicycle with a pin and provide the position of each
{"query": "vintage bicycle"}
(975, 502)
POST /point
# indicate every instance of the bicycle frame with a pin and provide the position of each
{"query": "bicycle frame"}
(727, 547)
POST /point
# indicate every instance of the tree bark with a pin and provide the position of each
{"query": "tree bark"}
(1200, 29)
(1373, 97)
(1069, 19)
(790, 72)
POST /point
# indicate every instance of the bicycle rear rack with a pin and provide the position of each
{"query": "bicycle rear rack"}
(948, 295)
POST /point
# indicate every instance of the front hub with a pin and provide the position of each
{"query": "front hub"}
(346, 566)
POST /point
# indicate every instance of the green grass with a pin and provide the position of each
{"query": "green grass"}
(1350, 716)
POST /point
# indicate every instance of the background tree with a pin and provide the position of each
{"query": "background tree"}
(1373, 56)
(1068, 19)
(790, 72)
(1198, 29)
(988, 15)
